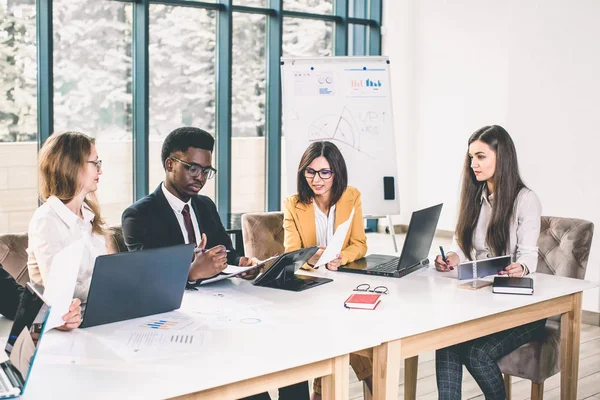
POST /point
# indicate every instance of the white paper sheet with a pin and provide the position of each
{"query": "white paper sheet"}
(217, 300)
(62, 279)
(335, 245)
(157, 336)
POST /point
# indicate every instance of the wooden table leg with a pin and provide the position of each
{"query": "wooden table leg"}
(386, 370)
(337, 385)
(570, 328)
(411, 367)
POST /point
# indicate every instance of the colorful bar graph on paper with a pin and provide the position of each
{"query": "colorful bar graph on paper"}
(161, 324)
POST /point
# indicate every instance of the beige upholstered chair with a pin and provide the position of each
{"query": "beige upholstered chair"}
(13, 256)
(263, 234)
(564, 247)
(117, 235)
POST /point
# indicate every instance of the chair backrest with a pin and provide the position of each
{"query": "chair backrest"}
(13, 256)
(117, 235)
(564, 246)
(263, 234)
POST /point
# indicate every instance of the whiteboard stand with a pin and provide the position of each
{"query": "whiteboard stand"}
(392, 232)
(390, 227)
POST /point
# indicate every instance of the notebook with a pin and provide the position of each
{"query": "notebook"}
(512, 285)
(364, 301)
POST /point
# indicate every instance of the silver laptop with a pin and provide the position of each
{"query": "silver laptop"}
(23, 343)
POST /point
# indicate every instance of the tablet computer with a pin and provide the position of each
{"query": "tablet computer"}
(485, 267)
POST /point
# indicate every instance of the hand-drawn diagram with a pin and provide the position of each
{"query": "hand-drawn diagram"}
(347, 129)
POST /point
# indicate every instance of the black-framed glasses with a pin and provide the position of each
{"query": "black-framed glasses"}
(323, 173)
(197, 169)
(365, 287)
(97, 163)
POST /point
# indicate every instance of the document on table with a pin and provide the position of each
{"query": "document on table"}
(61, 282)
(157, 336)
(335, 245)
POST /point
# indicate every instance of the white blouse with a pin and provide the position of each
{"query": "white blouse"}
(52, 228)
(324, 224)
(524, 230)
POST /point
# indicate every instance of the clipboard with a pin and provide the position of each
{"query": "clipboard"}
(482, 268)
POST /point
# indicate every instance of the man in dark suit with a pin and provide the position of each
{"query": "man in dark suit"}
(10, 297)
(175, 214)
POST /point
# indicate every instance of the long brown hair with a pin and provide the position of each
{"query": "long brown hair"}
(61, 161)
(507, 185)
(337, 164)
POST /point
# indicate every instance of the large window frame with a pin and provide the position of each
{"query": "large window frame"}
(275, 13)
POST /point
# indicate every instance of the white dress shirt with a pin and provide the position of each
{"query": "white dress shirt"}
(54, 227)
(177, 206)
(324, 224)
(524, 230)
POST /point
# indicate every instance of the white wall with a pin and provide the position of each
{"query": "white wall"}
(531, 66)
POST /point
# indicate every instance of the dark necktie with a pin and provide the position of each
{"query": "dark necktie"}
(187, 221)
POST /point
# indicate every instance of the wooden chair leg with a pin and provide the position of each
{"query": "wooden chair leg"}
(507, 386)
(537, 391)
(411, 366)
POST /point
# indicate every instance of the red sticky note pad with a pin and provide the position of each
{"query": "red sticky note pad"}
(364, 301)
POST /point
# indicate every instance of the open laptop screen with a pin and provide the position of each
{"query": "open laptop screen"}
(26, 332)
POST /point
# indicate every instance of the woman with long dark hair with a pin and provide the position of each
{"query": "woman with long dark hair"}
(498, 215)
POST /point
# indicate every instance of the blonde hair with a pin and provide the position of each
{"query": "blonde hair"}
(61, 161)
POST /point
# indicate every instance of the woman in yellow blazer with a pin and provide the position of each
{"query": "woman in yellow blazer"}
(324, 201)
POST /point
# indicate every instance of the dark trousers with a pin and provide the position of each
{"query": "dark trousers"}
(297, 391)
(481, 356)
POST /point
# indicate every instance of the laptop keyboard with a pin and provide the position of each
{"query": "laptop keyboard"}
(388, 266)
(6, 387)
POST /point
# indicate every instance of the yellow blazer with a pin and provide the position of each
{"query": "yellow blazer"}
(301, 231)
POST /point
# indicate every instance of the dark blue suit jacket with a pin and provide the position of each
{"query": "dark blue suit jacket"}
(150, 223)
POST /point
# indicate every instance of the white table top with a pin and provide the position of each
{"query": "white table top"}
(298, 328)
(293, 335)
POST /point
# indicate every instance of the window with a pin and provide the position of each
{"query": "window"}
(92, 90)
(311, 6)
(198, 52)
(307, 37)
(18, 115)
(182, 78)
(248, 113)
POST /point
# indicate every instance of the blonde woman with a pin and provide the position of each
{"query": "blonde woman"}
(69, 172)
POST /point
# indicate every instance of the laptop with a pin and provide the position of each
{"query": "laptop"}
(23, 343)
(419, 237)
(282, 273)
(136, 284)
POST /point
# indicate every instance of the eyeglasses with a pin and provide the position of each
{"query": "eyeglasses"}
(97, 163)
(196, 169)
(323, 173)
(365, 287)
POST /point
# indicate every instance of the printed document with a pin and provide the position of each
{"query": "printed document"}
(60, 286)
(334, 247)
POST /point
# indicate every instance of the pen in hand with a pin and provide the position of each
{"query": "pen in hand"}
(444, 258)
(197, 250)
